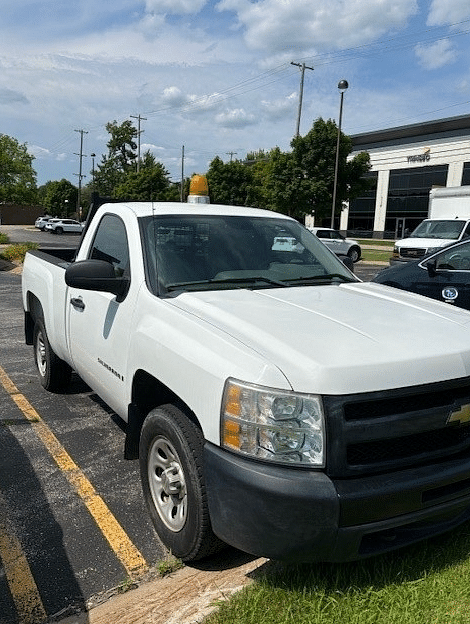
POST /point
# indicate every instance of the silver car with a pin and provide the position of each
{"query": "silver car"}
(335, 241)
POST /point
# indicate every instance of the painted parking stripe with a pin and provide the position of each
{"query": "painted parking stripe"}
(23, 589)
(125, 550)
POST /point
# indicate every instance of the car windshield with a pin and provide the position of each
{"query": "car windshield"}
(187, 253)
(449, 229)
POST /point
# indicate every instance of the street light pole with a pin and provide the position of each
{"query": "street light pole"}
(342, 86)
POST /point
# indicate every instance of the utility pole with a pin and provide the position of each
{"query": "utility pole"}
(139, 132)
(80, 176)
(231, 154)
(303, 67)
(182, 175)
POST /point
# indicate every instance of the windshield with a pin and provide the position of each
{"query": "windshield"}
(439, 229)
(187, 252)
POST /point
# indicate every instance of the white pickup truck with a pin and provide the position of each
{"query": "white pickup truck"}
(276, 403)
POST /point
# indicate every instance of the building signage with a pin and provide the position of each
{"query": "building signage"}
(425, 156)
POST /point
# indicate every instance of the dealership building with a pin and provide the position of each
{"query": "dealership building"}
(406, 163)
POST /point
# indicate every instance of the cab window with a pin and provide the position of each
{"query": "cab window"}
(110, 244)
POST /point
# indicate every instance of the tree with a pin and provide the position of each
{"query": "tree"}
(17, 176)
(120, 160)
(229, 183)
(152, 182)
(59, 198)
(314, 157)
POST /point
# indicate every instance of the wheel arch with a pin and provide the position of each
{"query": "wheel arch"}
(148, 392)
(33, 312)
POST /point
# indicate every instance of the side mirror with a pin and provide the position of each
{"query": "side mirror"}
(431, 267)
(96, 275)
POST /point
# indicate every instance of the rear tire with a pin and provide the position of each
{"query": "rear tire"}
(54, 373)
(171, 469)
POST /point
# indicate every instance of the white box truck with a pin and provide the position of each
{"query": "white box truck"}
(448, 221)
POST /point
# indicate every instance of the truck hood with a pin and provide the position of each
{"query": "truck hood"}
(341, 339)
(424, 243)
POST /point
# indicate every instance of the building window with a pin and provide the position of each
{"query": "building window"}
(362, 209)
(466, 174)
(408, 193)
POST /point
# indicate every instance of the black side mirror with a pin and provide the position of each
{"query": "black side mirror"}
(96, 275)
(431, 266)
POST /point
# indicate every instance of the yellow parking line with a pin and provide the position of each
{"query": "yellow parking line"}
(23, 589)
(127, 553)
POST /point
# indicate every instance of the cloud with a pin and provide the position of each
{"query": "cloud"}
(277, 25)
(436, 55)
(176, 7)
(7, 96)
(235, 118)
(276, 110)
(444, 12)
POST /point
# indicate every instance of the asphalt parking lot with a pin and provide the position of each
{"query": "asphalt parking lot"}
(73, 524)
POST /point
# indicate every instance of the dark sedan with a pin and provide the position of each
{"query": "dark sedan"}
(443, 275)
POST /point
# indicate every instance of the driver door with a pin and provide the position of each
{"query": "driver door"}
(99, 327)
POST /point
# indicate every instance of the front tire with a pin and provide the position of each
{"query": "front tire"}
(54, 373)
(355, 254)
(171, 469)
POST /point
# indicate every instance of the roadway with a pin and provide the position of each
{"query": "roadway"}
(73, 524)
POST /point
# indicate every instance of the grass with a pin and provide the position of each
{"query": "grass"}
(376, 242)
(4, 240)
(16, 253)
(375, 255)
(423, 584)
(169, 565)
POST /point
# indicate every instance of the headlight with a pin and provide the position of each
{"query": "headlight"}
(273, 425)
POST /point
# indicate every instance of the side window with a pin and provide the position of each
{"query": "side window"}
(110, 244)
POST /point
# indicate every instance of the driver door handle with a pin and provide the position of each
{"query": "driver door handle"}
(77, 303)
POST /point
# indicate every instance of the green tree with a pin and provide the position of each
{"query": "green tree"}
(229, 183)
(314, 164)
(121, 158)
(59, 198)
(152, 182)
(17, 176)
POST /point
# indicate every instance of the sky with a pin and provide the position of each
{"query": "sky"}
(217, 76)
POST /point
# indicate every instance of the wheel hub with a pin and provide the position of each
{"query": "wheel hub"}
(173, 482)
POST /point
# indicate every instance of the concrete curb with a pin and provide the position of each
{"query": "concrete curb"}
(184, 597)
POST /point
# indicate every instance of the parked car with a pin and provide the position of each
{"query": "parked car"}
(338, 243)
(443, 275)
(59, 226)
(40, 222)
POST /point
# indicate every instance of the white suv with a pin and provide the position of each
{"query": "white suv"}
(338, 243)
(59, 226)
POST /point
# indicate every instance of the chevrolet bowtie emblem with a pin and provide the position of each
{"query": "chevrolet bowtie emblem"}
(462, 415)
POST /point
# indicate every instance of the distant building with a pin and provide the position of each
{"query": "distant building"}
(407, 162)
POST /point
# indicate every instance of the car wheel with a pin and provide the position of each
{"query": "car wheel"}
(54, 373)
(59, 230)
(171, 468)
(355, 254)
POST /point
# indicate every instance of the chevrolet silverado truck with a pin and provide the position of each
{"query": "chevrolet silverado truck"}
(276, 403)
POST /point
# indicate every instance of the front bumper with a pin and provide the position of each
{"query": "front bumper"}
(303, 515)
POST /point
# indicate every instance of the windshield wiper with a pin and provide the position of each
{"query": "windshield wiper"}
(318, 278)
(239, 281)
